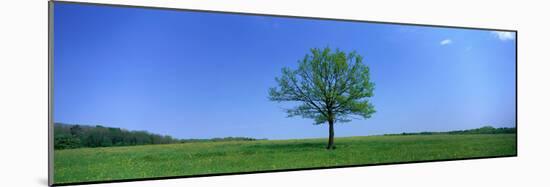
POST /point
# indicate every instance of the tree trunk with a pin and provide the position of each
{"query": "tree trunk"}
(330, 134)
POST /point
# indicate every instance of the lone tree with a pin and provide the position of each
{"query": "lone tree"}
(330, 86)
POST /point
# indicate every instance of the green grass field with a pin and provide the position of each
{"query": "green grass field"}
(112, 163)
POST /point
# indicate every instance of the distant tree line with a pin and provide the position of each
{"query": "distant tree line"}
(220, 139)
(482, 130)
(69, 136)
(74, 136)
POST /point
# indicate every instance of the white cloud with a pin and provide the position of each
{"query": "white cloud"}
(504, 35)
(446, 42)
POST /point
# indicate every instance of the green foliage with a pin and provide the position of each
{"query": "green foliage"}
(482, 130)
(331, 86)
(75, 136)
(68, 136)
(66, 142)
(112, 163)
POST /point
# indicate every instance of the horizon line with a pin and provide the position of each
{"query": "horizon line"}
(263, 138)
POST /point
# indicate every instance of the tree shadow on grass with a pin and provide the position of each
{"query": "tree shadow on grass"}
(289, 146)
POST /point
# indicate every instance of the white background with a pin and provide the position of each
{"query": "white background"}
(23, 92)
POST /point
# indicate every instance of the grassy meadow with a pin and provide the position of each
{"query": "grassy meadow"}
(182, 159)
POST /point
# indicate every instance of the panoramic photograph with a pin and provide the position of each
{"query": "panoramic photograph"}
(143, 93)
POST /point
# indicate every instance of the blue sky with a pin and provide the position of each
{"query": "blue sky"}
(204, 75)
